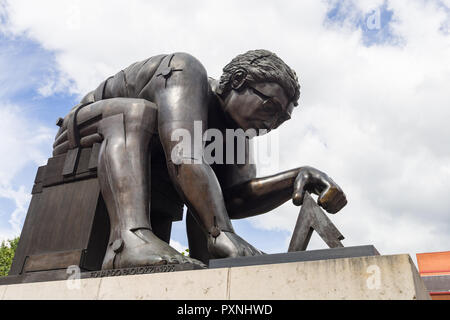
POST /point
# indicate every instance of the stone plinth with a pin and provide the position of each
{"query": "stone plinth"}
(374, 277)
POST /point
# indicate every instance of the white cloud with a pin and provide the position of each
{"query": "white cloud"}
(23, 141)
(374, 118)
(21, 198)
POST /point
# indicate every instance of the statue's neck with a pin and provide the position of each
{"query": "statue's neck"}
(217, 117)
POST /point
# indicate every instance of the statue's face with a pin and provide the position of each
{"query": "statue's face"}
(258, 106)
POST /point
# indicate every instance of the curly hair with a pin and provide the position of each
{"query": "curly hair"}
(262, 66)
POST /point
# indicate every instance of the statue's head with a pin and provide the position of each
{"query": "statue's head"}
(259, 90)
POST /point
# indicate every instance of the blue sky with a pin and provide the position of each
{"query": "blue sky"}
(374, 24)
(374, 80)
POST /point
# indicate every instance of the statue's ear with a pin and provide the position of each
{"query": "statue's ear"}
(238, 78)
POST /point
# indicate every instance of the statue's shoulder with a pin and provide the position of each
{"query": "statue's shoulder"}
(184, 56)
(186, 61)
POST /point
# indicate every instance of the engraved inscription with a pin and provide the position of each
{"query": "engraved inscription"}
(132, 271)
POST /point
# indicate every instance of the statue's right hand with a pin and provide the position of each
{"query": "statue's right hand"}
(331, 196)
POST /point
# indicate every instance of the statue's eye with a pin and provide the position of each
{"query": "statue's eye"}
(260, 94)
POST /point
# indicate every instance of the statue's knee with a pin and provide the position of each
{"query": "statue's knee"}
(133, 117)
(141, 112)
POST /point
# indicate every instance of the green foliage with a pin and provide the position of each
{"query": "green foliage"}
(7, 250)
(185, 252)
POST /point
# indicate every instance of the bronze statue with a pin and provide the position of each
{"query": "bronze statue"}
(133, 115)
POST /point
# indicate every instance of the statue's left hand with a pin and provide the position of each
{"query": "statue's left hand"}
(331, 196)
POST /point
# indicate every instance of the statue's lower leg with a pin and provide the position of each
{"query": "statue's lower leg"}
(123, 177)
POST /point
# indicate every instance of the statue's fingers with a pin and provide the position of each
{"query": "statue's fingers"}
(327, 197)
(254, 251)
(342, 203)
(299, 189)
(336, 201)
(337, 206)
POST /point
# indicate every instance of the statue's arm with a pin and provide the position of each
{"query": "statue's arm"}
(260, 195)
(182, 101)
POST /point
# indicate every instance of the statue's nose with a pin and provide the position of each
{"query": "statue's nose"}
(268, 124)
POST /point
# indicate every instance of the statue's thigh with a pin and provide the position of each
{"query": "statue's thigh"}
(134, 110)
(89, 117)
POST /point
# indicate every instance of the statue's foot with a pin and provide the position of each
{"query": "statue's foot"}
(140, 248)
(230, 245)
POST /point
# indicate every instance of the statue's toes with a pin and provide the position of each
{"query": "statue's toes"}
(157, 260)
(185, 259)
(251, 252)
(196, 262)
(257, 252)
(171, 259)
(134, 261)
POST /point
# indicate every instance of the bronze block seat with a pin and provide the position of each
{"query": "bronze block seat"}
(67, 221)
